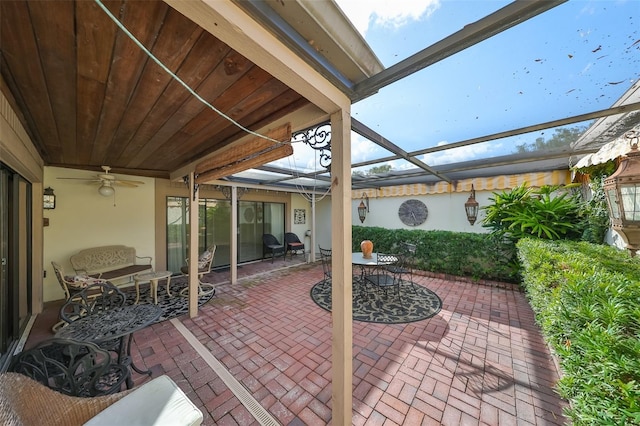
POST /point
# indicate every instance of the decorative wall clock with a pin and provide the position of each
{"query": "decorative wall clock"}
(413, 212)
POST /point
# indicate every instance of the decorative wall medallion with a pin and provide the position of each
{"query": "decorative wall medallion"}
(299, 216)
(249, 215)
(413, 212)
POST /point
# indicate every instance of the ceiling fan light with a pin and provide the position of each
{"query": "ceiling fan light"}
(106, 190)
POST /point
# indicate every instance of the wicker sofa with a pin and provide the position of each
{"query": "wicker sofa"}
(110, 262)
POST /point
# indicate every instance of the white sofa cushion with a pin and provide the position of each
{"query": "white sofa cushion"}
(158, 402)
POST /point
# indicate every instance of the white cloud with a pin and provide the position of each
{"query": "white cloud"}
(363, 149)
(464, 153)
(395, 13)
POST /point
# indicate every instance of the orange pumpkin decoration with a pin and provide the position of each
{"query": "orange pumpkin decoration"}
(367, 248)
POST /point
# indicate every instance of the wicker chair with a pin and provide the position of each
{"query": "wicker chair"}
(24, 401)
(273, 246)
(293, 243)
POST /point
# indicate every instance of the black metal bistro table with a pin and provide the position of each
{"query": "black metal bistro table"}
(118, 323)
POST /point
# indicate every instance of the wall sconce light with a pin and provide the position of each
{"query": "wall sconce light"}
(49, 198)
(363, 208)
(471, 207)
(622, 191)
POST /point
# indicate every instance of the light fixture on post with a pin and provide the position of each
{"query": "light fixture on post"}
(622, 191)
(106, 190)
(49, 198)
(363, 208)
(471, 207)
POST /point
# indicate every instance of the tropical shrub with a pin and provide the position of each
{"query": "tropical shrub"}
(595, 213)
(548, 212)
(586, 298)
(478, 256)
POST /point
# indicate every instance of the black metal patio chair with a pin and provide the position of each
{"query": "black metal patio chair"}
(382, 278)
(325, 256)
(97, 297)
(71, 367)
(404, 266)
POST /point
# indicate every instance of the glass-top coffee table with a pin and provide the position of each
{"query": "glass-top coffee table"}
(152, 278)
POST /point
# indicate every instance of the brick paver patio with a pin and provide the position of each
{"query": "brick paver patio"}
(480, 361)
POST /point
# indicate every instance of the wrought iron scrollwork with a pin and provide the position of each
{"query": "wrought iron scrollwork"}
(226, 191)
(318, 138)
(196, 185)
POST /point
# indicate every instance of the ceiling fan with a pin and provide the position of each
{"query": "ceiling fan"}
(107, 181)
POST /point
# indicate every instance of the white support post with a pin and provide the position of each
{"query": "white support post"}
(233, 270)
(194, 208)
(341, 282)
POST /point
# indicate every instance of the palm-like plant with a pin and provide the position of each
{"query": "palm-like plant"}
(543, 213)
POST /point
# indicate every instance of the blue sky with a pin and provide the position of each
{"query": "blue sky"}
(579, 57)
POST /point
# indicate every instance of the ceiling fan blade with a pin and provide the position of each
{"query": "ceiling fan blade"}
(125, 183)
(136, 182)
(85, 179)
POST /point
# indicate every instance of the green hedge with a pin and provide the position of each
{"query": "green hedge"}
(587, 301)
(479, 256)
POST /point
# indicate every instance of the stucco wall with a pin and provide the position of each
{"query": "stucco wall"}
(446, 212)
(83, 219)
(301, 203)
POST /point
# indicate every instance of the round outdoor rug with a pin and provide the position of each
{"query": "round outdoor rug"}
(372, 305)
(173, 306)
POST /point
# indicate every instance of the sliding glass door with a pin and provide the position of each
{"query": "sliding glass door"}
(15, 257)
(254, 219)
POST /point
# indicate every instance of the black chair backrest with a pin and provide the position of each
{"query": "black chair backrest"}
(408, 252)
(290, 237)
(408, 248)
(270, 240)
(98, 297)
(71, 367)
(325, 256)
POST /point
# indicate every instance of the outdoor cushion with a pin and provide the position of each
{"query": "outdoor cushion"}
(158, 402)
(204, 259)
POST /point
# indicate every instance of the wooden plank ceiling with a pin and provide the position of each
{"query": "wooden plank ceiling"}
(89, 96)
